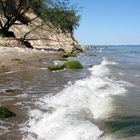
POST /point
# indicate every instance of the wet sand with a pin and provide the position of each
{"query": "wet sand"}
(17, 69)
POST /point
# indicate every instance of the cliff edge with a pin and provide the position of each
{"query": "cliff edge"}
(41, 37)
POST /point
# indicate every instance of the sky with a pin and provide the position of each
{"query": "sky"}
(109, 22)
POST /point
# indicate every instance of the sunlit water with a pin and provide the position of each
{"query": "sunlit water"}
(101, 102)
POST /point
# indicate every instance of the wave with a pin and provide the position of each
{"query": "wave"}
(72, 113)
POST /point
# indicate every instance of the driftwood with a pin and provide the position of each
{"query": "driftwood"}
(26, 43)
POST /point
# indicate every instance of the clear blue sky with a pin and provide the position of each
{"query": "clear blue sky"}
(109, 22)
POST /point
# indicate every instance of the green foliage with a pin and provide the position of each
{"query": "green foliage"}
(65, 19)
(73, 65)
(6, 113)
(60, 14)
(57, 12)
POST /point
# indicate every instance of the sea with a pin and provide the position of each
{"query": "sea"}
(99, 102)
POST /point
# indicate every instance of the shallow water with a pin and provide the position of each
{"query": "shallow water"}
(96, 103)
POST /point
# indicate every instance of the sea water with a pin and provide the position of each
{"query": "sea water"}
(103, 105)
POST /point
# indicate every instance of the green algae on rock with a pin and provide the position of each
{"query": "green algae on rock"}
(55, 68)
(73, 65)
(68, 65)
(6, 113)
(70, 54)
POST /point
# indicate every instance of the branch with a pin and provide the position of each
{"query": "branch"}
(24, 37)
(1, 24)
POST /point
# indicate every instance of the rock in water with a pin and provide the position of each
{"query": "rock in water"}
(73, 65)
(6, 113)
(55, 68)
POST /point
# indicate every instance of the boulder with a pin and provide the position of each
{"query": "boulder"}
(70, 54)
(55, 68)
(73, 65)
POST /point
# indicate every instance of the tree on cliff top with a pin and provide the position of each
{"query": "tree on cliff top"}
(61, 14)
(56, 12)
(15, 10)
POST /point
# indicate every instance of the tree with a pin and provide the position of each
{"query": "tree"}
(12, 11)
(62, 15)
(57, 12)
(67, 20)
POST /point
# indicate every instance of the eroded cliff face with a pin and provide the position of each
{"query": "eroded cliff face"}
(41, 37)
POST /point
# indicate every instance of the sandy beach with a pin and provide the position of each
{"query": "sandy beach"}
(18, 65)
(14, 59)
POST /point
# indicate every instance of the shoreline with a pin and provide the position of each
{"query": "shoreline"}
(18, 64)
(14, 58)
(23, 72)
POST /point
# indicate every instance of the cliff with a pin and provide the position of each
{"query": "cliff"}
(41, 37)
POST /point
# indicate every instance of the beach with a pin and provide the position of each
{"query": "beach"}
(98, 102)
(18, 67)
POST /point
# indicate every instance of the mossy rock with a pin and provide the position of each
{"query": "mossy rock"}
(6, 113)
(62, 59)
(77, 49)
(70, 54)
(55, 68)
(73, 65)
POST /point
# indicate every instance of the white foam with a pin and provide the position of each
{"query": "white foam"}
(71, 113)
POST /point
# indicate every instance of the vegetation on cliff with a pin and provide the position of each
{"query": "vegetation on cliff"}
(58, 13)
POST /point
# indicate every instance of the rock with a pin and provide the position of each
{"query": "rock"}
(16, 59)
(9, 90)
(61, 49)
(90, 66)
(19, 61)
(68, 65)
(6, 113)
(77, 49)
(55, 68)
(70, 54)
(73, 65)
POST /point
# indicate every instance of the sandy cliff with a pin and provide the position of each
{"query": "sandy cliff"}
(42, 37)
